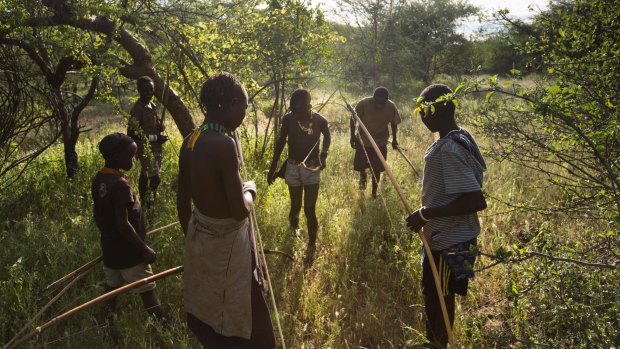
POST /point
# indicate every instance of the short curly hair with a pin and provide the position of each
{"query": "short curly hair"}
(113, 144)
(219, 90)
(381, 92)
(143, 80)
(299, 96)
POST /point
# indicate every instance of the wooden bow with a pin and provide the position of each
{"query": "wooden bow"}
(427, 248)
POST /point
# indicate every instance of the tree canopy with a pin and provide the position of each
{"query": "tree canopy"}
(394, 43)
(178, 44)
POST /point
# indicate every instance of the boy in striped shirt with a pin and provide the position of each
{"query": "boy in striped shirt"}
(451, 196)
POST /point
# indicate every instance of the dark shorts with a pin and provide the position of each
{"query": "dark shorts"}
(360, 162)
(454, 264)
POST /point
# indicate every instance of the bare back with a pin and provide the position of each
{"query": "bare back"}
(209, 177)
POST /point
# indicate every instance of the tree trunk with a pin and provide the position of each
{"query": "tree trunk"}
(376, 80)
(69, 135)
(142, 63)
(71, 158)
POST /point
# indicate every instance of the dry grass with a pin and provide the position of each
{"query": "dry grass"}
(362, 290)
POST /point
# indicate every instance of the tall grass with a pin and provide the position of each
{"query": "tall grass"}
(362, 291)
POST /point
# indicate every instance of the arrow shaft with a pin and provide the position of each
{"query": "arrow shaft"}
(92, 302)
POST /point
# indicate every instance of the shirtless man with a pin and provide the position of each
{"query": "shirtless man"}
(303, 128)
(222, 298)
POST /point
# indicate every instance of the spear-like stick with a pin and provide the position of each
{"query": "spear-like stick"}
(427, 248)
(63, 291)
(88, 266)
(417, 175)
(70, 279)
(258, 244)
(76, 273)
(92, 302)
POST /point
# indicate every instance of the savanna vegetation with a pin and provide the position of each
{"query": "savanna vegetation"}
(541, 96)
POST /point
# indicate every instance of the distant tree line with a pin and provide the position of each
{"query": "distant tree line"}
(397, 43)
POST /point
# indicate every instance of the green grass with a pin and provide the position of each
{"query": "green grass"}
(362, 290)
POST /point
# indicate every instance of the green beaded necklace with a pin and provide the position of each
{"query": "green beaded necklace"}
(213, 126)
(206, 126)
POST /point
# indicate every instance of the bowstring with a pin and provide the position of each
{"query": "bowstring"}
(259, 247)
(387, 211)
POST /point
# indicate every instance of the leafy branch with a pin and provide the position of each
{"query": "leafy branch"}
(504, 257)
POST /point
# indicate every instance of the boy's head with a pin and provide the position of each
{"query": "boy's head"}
(118, 150)
(146, 88)
(300, 101)
(443, 111)
(380, 96)
(225, 100)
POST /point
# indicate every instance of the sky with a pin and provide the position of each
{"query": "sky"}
(517, 8)
(522, 9)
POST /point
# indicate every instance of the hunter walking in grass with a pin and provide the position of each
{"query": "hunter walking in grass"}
(145, 127)
(221, 294)
(376, 112)
(451, 196)
(118, 215)
(303, 128)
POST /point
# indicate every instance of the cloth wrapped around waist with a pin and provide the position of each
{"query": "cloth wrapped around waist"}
(217, 276)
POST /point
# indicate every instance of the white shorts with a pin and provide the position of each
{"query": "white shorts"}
(116, 278)
(297, 176)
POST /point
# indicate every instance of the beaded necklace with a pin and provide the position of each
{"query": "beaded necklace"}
(213, 126)
(308, 129)
(206, 126)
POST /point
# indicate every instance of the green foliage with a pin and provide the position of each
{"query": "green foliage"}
(498, 54)
(21, 115)
(578, 309)
(564, 128)
(428, 33)
(567, 123)
(272, 46)
(363, 288)
(398, 43)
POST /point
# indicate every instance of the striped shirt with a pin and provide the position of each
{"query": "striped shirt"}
(450, 170)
